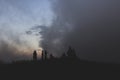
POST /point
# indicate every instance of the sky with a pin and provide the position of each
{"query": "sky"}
(17, 17)
(91, 27)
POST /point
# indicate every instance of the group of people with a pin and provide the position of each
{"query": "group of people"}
(70, 53)
(43, 56)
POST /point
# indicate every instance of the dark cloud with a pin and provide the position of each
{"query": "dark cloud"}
(92, 27)
(29, 32)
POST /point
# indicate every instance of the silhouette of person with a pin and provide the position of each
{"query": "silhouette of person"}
(46, 55)
(51, 56)
(42, 56)
(74, 53)
(63, 55)
(71, 52)
(35, 55)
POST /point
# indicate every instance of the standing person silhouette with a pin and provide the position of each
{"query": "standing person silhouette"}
(35, 55)
(42, 56)
(46, 55)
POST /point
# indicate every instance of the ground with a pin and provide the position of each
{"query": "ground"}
(58, 69)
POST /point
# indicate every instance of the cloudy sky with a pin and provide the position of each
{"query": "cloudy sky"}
(18, 16)
(90, 26)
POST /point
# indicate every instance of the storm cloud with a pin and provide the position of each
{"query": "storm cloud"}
(92, 27)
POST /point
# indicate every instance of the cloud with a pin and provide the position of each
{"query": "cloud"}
(16, 17)
(92, 27)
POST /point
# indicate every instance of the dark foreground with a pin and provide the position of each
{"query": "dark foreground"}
(58, 69)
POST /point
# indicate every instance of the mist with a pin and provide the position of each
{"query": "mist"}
(92, 27)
